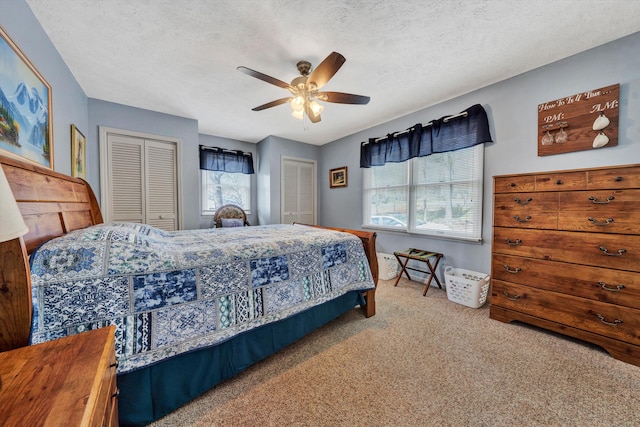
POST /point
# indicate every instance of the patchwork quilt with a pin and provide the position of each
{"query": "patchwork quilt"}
(169, 293)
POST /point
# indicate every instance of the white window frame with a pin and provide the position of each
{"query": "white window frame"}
(205, 188)
(476, 178)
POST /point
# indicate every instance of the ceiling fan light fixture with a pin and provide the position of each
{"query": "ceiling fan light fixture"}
(304, 89)
(315, 107)
(297, 103)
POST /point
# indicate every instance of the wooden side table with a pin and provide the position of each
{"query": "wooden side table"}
(422, 256)
(70, 381)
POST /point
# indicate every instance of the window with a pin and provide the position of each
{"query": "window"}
(221, 188)
(437, 195)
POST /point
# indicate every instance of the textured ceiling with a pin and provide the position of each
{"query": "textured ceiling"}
(180, 56)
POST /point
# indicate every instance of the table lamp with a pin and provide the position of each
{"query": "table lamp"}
(15, 280)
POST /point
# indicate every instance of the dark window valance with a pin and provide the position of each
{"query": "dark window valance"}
(223, 160)
(466, 129)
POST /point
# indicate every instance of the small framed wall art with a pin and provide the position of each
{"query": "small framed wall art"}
(78, 153)
(338, 177)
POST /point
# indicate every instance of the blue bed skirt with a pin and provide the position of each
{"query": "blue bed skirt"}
(152, 392)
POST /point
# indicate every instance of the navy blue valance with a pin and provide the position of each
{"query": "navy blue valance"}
(466, 129)
(223, 160)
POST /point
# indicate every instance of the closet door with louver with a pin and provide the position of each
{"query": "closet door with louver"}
(298, 191)
(161, 185)
(141, 183)
(126, 163)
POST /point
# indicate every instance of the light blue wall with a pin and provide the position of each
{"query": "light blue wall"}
(271, 150)
(512, 109)
(69, 100)
(102, 113)
(511, 106)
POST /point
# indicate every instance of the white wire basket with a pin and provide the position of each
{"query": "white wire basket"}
(466, 287)
(387, 266)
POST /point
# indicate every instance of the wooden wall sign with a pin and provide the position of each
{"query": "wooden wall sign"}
(585, 121)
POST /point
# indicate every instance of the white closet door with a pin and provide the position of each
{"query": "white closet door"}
(161, 188)
(141, 183)
(298, 191)
(289, 193)
(306, 198)
(126, 165)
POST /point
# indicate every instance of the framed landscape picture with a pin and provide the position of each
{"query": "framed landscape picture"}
(25, 106)
(78, 153)
(338, 177)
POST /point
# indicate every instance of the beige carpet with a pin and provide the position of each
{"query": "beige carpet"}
(425, 361)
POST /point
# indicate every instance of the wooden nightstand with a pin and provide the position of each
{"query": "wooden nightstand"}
(67, 382)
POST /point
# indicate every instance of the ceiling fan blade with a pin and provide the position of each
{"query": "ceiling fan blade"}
(326, 69)
(264, 77)
(315, 118)
(271, 104)
(343, 98)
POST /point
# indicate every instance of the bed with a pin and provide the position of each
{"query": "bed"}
(187, 314)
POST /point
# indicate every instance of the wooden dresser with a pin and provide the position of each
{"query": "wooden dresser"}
(566, 254)
(67, 382)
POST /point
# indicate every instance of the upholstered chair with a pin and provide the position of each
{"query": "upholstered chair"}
(230, 216)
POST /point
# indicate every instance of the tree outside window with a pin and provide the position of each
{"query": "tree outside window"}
(222, 188)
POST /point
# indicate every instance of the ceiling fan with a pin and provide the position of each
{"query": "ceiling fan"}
(305, 89)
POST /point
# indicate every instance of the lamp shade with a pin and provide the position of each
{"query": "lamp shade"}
(11, 223)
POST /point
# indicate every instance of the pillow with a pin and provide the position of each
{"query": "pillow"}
(232, 222)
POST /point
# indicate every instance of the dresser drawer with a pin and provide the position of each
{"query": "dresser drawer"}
(597, 249)
(624, 177)
(620, 223)
(526, 218)
(528, 210)
(110, 418)
(109, 395)
(560, 181)
(602, 284)
(103, 408)
(531, 201)
(621, 323)
(605, 202)
(601, 211)
(514, 184)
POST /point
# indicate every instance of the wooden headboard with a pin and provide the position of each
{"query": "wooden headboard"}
(52, 204)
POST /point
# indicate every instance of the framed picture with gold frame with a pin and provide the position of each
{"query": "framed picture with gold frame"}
(338, 177)
(25, 116)
(78, 153)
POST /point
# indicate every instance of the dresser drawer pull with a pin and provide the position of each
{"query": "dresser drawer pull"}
(522, 202)
(514, 271)
(114, 364)
(595, 201)
(559, 182)
(512, 298)
(606, 288)
(614, 323)
(116, 394)
(619, 253)
(525, 219)
(514, 242)
(512, 185)
(596, 222)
